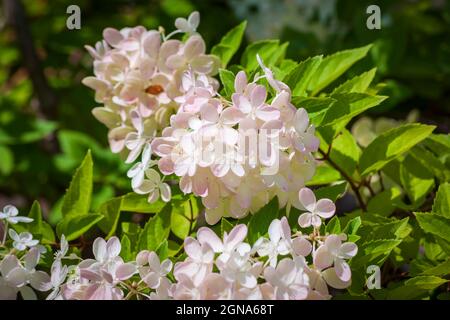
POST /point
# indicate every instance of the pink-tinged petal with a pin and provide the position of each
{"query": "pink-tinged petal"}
(212, 199)
(152, 43)
(90, 275)
(116, 138)
(16, 277)
(325, 208)
(32, 258)
(166, 266)
(207, 236)
(275, 230)
(281, 100)
(165, 192)
(142, 257)
(322, 258)
(112, 36)
(99, 292)
(333, 243)
(200, 186)
(166, 165)
(231, 116)
(305, 220)
(286, 270)
(301, 120)
(175, 62)
(192, 248)
(209, 113)
(240, 82)
(194, 46)
(40, 281)
(307, 199)
(244, 105)
(272, 127)
(348, 250)
(258, 96)
(311, 142)
(152, 279)
(315, 221)
(236, 235)
(8, 263)
(342, 269)
(333, 280)
(125, 271)
(244, 196)
(230, 136)
(213, 215)
(285, 228)
(154, 262)
(99, 249)
(186, 184)
(301, 246)
(182, 24)
(267, 113)
(113, 247)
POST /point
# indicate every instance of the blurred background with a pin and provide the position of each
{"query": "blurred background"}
(46, 124)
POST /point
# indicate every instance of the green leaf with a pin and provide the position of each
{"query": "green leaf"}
(73, 226)
(417, 181)
(259, 223)
(348, 106)
(333, 226)
(383, 203)
(434, 224)
(316, 107)
(227, 78)
(426, 282)
(392, 144)
(110, 210)
(156, 230)
(430, 161)
(324, 175)
(229, 44)
(77, 199)
(357, 84)
(299, 78)
(332, 192)
(374, 252)
(184, 216)
(345, 152)
(7, 160)
(266, 49)
(441, 269)
(334, 66)
(225, 226)
(35, 227)
(352, 226)
(163, 250)
(134, 202)
(441, 205)
(125, 252)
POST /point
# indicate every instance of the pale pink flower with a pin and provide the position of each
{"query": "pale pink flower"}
(324, 208)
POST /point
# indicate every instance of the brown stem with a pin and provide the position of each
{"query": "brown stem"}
(346, 177)
(15, 16)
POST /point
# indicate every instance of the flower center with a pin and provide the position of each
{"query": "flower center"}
(154, 89)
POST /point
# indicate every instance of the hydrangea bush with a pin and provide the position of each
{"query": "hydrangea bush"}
(235, 172)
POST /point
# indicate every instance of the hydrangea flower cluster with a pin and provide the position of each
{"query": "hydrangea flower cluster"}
(236, 155)
(284, 265)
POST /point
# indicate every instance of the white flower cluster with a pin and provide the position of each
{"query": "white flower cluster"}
(236, 155)
(285, 265)
(17, 273)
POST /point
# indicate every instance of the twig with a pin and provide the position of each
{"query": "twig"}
(346, 177)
